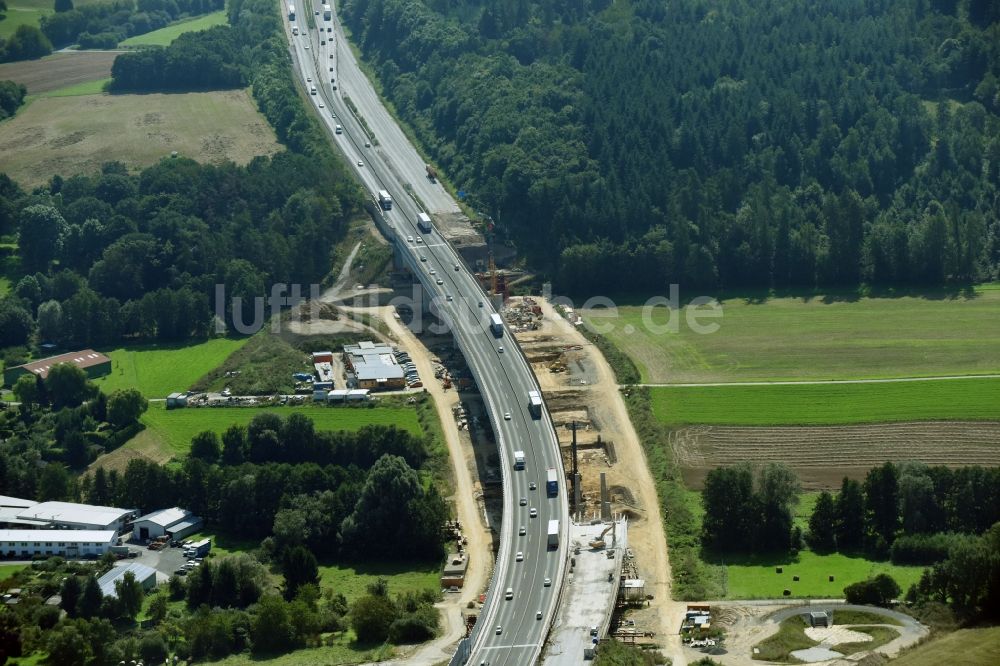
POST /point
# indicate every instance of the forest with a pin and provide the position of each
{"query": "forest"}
(718, 144)
(103, 25)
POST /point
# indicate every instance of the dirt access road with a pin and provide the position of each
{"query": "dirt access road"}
(646, 534)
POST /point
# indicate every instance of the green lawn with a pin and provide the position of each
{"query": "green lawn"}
(176, 428)
(977, 647)
(340, 649)
(758, 579)
(8, 570)
(4, 286)
(164, 36)
(828, 404)
(86, 88)
(818, 338)
(224, 544)
(159, 371)
(352, 580)
(18, 15)
(790, 637)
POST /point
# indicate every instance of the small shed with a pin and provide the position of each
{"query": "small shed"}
(337, 395)
(633, 589)
(360, 395)
(322, 357)
(819, 619)
(175, 400)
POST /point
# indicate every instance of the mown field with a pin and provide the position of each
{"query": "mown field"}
(59, 71)
(174, 429)
(164, 36)
(756, 578)
(969, 647)
(159, 371)
(352, 580)
(818, 338)
(828, 404)
(77, 134)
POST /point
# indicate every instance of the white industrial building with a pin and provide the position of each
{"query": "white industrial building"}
(23, 544)
(373, 365)
(175, 522)
(145, 576)
(56, 515)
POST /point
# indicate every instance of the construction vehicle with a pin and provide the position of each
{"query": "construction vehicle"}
(599, 542)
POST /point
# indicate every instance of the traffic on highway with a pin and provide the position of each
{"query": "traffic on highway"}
(528, 572)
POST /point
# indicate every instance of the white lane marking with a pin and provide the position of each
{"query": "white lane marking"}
(509, 647)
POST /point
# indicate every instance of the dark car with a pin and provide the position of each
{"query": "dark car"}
(181, 572)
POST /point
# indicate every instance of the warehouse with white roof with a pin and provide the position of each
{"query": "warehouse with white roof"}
(79, 516)
(174, 522)
(145, 576)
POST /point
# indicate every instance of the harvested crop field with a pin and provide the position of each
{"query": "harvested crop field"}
(72, 135)
(823, 455)
(59, 70)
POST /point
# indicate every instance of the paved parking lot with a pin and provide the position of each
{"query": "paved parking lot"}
(165, 561)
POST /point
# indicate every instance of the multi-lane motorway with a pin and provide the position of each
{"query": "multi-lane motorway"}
(508, 632)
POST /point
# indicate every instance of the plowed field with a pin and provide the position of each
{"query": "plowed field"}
(823, 455)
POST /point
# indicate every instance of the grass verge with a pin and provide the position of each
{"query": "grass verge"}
(157, 370)
(174, 429)
(352, 580)
(862, 617)
(977, 647)
(95, 87)
(828, 404)
(164, 36)
(790, 637)
(8, 570)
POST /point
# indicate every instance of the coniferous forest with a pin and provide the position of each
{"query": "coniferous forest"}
(716, 143)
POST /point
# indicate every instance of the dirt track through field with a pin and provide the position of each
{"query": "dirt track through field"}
(59, 70)
(823, 455)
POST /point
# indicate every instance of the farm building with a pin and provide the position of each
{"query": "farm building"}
(176, 523)
(373, 366)
(65, 543)
(93, 363)
(177, 400)
(145, 576)
(67, 515)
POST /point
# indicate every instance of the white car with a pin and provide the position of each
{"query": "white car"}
(499, 630)
(423, 258)
(419, 239)
(506, 416)
(538, 615)
(409, 239)
(309, 79)
(519, 557)
(500, 349)
(305, 46)
(440, 281)
(524, 501)
(360, 163)
(321, 105)
(433, 272)
(532, 485)
(522, 531)
(547, 582)
(448, 297)
(533, 513)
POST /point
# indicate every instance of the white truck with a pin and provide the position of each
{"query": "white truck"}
(553, 541)
(327, 14)
(535, 404)
(384, 200)
(518, 459)
(291, 12)
(496, 325)
(424, 223)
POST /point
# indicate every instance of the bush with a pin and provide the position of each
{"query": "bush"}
(923, 549)
(878, 591)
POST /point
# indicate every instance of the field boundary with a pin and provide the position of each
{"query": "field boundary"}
(813, 382)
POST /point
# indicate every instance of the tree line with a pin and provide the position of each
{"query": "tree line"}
(103, 25)
(205, 60)
(112, 257)
(11, 98)
(773, 144)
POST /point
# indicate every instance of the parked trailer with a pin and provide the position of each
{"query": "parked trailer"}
(424, 223)
(518, 459)
(553, 534)
(291, 12)
(496, 325)
(552, 482)
(535, 404)
(327, 14)
(384, 200)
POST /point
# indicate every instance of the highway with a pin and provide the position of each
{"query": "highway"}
(509, 632)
